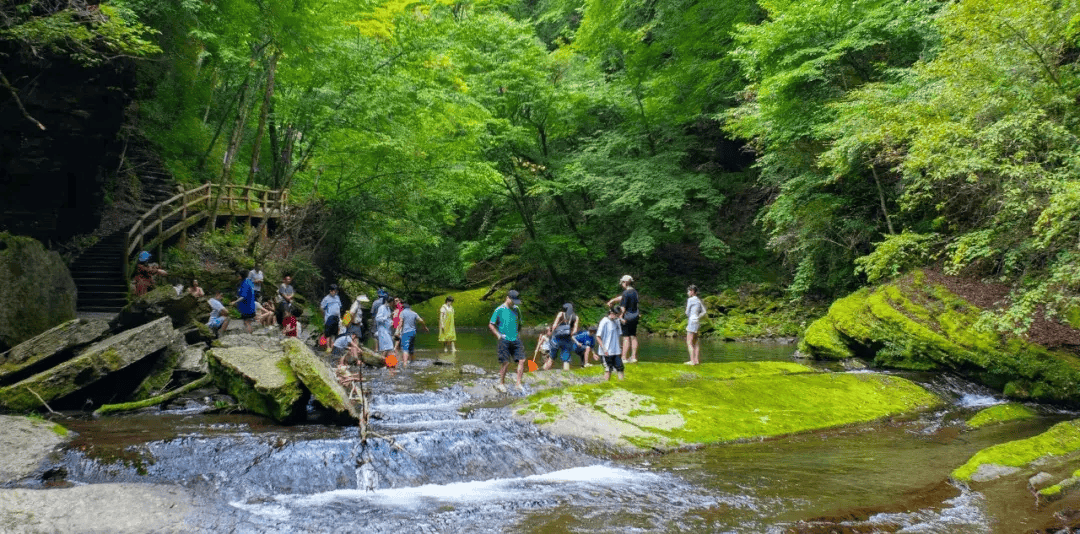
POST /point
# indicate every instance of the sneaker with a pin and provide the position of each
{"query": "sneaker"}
(520, 388)
(501, 388)
(587, 365)
(688, 363)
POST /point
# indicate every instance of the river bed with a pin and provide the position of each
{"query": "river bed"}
(462, 467)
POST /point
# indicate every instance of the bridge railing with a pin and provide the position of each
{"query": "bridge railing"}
(177, 214)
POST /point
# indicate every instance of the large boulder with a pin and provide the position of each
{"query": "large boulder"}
(319, 379)
(57, 343)
(260, 379)
(918, 323)
(91, 365)
(38, 292)
(162, 301)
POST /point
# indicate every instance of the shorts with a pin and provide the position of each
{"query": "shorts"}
(564, 347)
(692, 327)
(246, 316)
(629, 328)
(508, 350)
(612, 362)
(338, 352)
(407, 339)
(330, 328)
(216, 322)
(355, 329)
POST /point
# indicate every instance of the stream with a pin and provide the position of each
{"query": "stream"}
(463, 467)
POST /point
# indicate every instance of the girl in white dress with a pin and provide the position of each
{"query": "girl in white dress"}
(695, 311)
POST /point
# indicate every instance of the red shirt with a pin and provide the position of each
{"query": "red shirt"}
(289, 326)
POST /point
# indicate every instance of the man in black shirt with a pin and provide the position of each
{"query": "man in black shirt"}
(629, 317)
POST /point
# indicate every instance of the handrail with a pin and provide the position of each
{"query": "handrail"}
(263, 204)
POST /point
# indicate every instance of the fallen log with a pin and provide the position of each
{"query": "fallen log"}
(165, 397)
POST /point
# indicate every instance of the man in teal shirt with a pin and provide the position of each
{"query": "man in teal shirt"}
(506, 325)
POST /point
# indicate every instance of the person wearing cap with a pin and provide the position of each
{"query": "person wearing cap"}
(628, 302)
(447, 332)
(245, 300)
(506, 325)
(144, 274)
(331, 308)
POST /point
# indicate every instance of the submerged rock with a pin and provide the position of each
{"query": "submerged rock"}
(260, 379)
(1000, 414)
(51, 344)
(91, 365)
(319, 379)
(915, 323)
(665, 406)
(38, 292)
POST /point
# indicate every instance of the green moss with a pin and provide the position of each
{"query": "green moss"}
(729, 401)
(1061, 439)
(1000, 414)
(469, 310)
(59, 430)
(823, 341)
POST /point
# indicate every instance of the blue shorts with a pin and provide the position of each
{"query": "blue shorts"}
(407, 340)
(215, 322)
(564, 346)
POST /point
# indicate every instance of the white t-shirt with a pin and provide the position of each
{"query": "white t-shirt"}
(607, 335)
(256, 278)
(216, 308)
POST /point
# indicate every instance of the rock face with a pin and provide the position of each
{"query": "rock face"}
(915, 324)
(92, 364)
(38, 292)
(319, 380)
(260, 379)
(57, 342)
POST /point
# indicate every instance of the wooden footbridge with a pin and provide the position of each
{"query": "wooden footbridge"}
(103, 278)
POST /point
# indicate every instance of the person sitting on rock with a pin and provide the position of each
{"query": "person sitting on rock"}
(219, 315)
(290, 325)
(195, 290)
(265, 314)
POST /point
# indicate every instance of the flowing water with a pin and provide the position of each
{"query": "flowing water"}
(453, 466)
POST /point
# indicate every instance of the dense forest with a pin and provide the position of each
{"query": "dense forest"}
(817, 146)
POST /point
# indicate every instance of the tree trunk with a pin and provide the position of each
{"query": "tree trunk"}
(267, 96)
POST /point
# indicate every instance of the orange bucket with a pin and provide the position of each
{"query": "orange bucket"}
(532, 366)
(391, 361)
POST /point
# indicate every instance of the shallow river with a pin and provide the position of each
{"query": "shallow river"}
(464, 468)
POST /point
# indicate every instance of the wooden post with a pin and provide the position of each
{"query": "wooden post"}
(183, 218)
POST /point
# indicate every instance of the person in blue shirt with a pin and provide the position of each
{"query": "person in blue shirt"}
(331, 308)
(585, 341)
(245, 301)
(408, 332)
(506, 325)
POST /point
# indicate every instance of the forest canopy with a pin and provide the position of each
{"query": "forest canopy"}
(816, 145)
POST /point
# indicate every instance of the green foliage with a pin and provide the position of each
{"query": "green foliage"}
(895, 255)
(89, 34)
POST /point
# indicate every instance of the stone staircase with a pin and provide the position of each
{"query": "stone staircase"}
(99, 270)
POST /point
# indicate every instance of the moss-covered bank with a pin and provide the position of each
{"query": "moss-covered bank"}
(1000, 414)
(671, 405)
(916, 324)
(1062, 439)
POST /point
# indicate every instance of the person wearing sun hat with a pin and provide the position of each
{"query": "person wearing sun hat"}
(505, 324)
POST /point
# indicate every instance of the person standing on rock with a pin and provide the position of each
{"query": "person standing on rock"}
(346, 344)
(563, 329)
(695, 312)
(628, 302)
(381, 297)
(256, 277)
(609, 332)
(384, 338)
(331, 308)
(447, 331)
(219, 315)
(285, 295)
(245, 301)
(506, 325)
(408, 332)
(356, 317)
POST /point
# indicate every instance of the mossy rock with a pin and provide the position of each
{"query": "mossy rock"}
(1000, 414)
(53, 343)
(669, 405)
(915, 325)
(1060, 440)
(38, 292)
(261, 380)
(91, 365)
(319, 379)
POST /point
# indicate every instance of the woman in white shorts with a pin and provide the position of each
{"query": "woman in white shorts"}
(695, 311)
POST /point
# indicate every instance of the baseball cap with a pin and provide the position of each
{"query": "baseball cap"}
(515, 297)
(626, 278)
(333, 286)
(144, 256)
